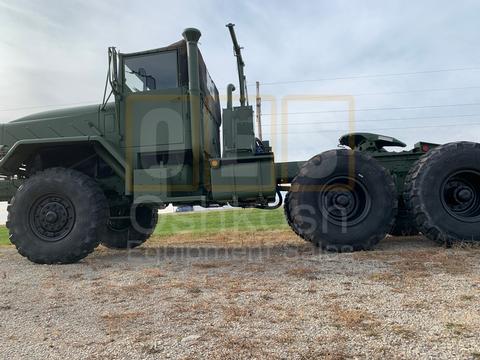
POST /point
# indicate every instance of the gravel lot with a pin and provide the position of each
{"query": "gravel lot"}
(262, 295)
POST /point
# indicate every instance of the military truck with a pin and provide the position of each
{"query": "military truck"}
(78, 177)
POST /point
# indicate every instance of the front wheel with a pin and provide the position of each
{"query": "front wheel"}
(55, 216)
(342, 200)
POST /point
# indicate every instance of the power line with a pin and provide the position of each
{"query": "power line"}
(357, 94)
(416, 91)
(369, 76)
(373, 120)
(30, 107)
(381, 129)
(376, 109)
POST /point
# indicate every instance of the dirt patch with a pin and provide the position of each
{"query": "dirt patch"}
(249, 295)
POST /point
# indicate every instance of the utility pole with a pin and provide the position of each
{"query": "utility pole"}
(259, 112)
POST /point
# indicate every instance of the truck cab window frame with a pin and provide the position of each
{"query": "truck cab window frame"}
(151, 71)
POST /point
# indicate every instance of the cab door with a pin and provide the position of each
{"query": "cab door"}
(153, 111)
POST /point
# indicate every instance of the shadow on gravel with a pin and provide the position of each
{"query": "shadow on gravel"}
(392, 243)
(156, 253)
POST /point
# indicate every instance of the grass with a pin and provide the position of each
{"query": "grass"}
(353, 318)
(203, 222)
(209, 222)
(4, 236)
(458, 329)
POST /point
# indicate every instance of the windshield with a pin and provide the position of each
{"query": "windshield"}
(151, 71)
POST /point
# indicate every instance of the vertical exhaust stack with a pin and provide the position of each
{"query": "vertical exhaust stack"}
(191, 36)
(258, 100)
(230, 90)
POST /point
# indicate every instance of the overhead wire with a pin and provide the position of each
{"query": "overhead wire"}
(375, 109)
(295, 123)
(367, 76)
(380, 129)
(310, 80)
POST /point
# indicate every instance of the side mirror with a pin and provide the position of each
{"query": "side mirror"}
(149, 82)
(112, 76)
(113, 68)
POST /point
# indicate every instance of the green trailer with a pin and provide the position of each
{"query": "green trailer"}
(78, 177)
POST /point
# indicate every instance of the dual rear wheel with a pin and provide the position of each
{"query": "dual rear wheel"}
(343, 200)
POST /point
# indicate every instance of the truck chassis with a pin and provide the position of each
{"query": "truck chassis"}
(75, 178)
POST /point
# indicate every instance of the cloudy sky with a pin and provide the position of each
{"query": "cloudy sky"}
(412, 68)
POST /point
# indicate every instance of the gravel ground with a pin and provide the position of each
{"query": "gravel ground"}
(260, 295)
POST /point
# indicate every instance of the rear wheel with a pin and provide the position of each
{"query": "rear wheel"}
(342, 200)
(443, 192)
(55, 216)
(288, 217)
(121, 233)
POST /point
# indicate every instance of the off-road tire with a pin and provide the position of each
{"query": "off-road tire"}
(55, 216)
(288, 217)
(129, 236)
(431, 199)
(326, 177)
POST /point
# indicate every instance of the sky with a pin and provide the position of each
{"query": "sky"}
(411, 69)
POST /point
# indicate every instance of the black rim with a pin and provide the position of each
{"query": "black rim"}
(52, 217)
(460, 195)
(344, 201)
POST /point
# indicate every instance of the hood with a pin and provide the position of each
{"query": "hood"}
(61, 113)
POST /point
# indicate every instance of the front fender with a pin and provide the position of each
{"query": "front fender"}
(22, 150)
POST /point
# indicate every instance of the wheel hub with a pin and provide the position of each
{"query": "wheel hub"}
(461, 195)
(52, 218)
(464, 194)
(345, 201)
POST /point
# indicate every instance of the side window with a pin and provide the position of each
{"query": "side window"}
(152, 71)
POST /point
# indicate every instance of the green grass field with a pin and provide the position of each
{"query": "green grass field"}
(4, 236)
(202, 222)
(217, 221)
